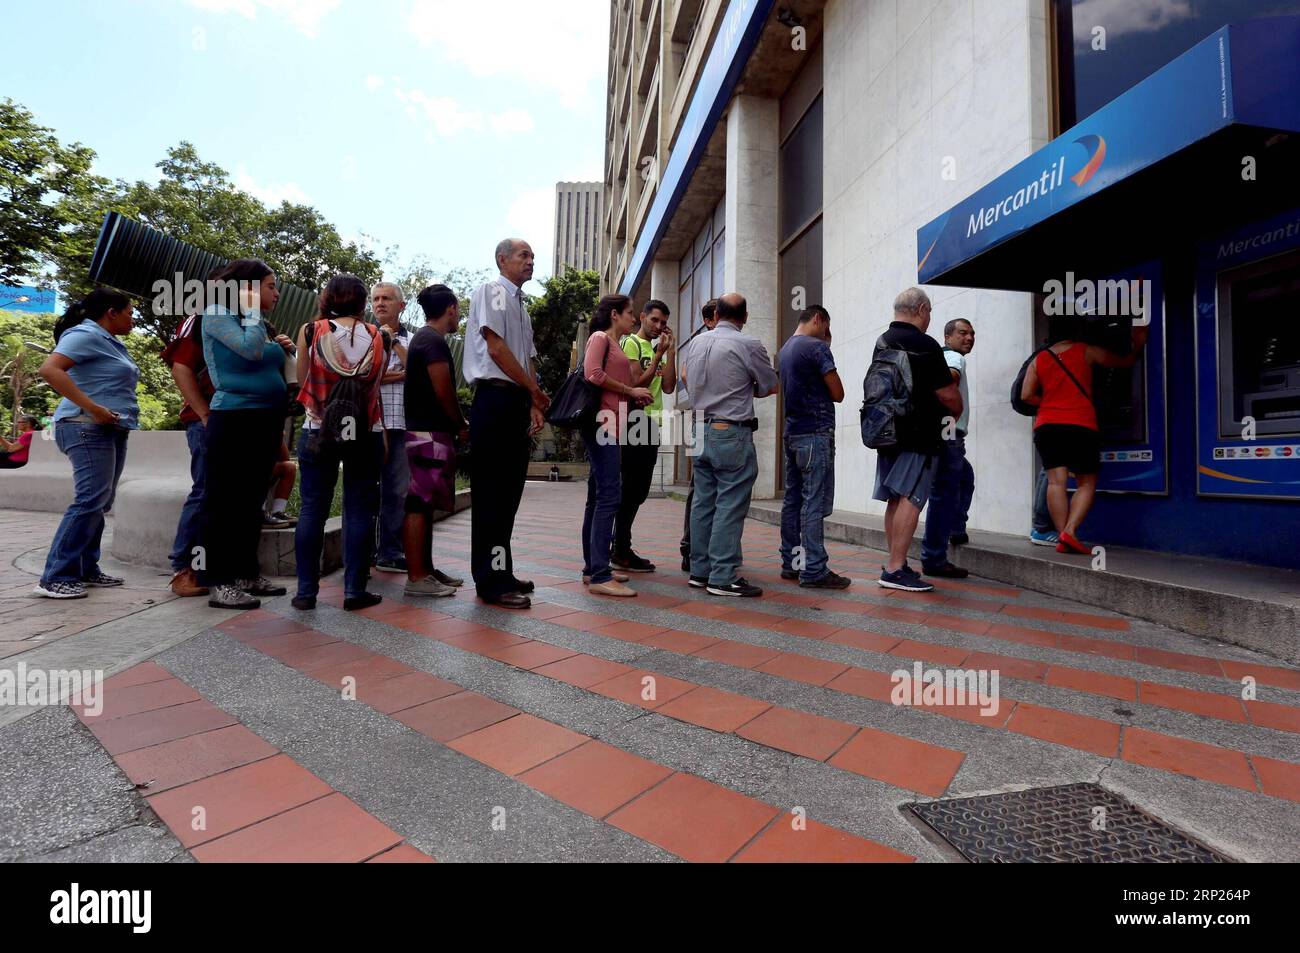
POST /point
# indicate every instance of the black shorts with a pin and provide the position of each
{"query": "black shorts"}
(1078, 449)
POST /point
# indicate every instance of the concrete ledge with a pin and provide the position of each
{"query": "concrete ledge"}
(1257, 607)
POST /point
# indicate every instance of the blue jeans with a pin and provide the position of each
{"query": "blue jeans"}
(318, 474)
(1042, 515)
(809, 499)
(187, 529)
(965, 494)
(98, 454)
(725, 472)
(393, 483)
(604, 495)
(945, 501)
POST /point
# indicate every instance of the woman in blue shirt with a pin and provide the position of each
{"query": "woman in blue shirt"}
(245, 360)
(93, 373)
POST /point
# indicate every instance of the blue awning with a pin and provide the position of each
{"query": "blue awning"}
(1168, 160)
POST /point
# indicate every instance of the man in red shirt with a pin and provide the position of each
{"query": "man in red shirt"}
(184, 355)
(15, 452)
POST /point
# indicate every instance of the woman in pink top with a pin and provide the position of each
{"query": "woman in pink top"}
(607, 367)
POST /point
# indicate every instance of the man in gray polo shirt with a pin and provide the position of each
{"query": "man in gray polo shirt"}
(727, 370)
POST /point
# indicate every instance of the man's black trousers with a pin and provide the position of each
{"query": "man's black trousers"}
(638, 466)
(499, 450)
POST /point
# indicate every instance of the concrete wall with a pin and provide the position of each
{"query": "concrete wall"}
(908, 83)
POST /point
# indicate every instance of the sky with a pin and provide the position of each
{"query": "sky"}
(438, 126)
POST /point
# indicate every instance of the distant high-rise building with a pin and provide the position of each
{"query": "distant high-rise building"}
(577, 225)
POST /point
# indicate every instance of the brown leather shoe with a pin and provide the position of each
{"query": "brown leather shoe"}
(509, 600)
(185, 583)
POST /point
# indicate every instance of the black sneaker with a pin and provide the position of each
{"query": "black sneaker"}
(363, 601)
(790, 574)
(391, 565)
(304, 603)
(740, 587)
(829, 581)
(102, 580)
(905, 579)
(946, 571)
(699, 582)
(631, 562)
(959, 539)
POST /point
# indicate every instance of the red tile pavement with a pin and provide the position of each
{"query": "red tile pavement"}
(134, 732)
(117, 702)
(1278, 778)
(206, 809)
(530, 655)
(1272, 715)
(814, 843)
(694, 819)
(595, 778)
(583, 670)
(516, 744)
(1065, 728)
(1097, 683)
(174, 763)
(899, 761)
(801, 733)
(1192, 758)
(1209, 704)
(404, 691)
(714, 708)
(800, 668)
(331, 829)
(456, 715)
(642, 688)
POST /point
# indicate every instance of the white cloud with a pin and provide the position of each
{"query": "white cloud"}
(556, 47)
(1124, 17)
(374, 82)
(270, 193)
(531, 216)
(448, 118)
(306, 16)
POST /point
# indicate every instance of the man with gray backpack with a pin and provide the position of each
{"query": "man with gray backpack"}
(907, 393)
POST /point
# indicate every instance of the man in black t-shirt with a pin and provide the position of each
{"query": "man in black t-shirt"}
(434, 425)
(905, 472)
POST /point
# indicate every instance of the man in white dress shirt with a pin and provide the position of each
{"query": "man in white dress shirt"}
(508, 408)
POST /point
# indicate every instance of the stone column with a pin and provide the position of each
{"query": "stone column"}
(753, 141)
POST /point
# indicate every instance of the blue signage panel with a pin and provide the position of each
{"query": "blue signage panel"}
(30, 300)
(736, 39)
(1247, 365)
(1185, 101)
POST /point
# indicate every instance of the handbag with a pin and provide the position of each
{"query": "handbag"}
(577, 402)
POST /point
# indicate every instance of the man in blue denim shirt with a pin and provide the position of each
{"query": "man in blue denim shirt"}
(727, 370)
(812, 387)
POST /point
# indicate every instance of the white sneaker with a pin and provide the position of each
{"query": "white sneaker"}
(428, 586)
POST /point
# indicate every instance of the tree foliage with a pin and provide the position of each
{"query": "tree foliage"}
(568, 300)
(46, 191)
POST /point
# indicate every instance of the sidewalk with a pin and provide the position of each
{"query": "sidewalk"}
(1254, 606)
(676, 725)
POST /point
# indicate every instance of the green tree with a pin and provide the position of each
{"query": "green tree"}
(22, 391)
(569, 299)
(47, 195)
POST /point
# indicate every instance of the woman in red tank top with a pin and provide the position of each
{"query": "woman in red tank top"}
(1059, 381)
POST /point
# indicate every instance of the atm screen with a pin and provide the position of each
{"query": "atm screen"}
(1259, 347)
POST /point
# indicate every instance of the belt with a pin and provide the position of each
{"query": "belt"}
(494, 382)
(750, 424)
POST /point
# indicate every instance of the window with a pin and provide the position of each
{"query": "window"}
(801, 173)
(1136, 45)
(700, 272)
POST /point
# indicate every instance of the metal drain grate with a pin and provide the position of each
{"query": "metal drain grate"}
(1074, 823)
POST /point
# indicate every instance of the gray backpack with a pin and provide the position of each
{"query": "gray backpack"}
(886, 396)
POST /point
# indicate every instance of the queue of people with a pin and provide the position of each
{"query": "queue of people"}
(381, 408)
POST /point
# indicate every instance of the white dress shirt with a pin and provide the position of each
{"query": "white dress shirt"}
(499, 306)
